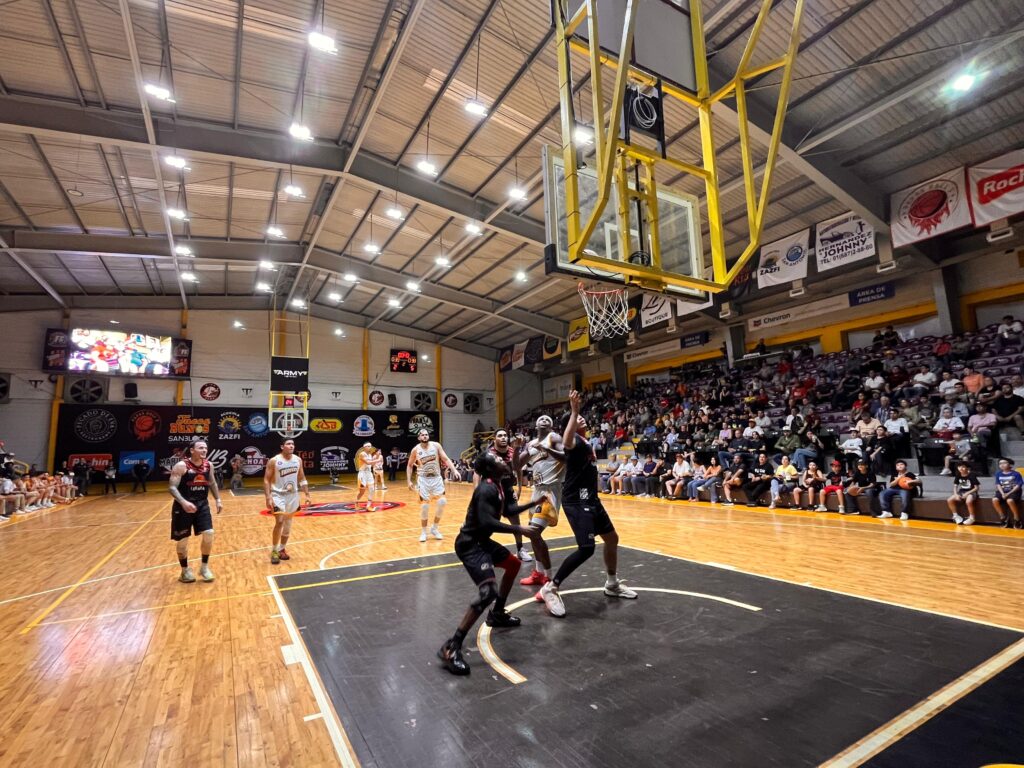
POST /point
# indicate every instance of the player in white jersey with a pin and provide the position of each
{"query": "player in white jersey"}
(281, 482)
(367, 461)
(427, 458)
(546, 459)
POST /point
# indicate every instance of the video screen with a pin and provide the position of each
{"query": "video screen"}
(119, 353)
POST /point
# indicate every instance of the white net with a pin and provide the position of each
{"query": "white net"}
(288, 423)
(607, 311)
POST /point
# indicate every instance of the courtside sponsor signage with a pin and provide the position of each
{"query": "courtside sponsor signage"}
(128, 460)
(936, 206)
(664, 349)
(843, 240)
(785, 260)
(997, 188)
(654, 309)
(579, 334)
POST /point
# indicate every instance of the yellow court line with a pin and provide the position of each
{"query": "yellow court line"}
(264, 593)
(67, 593)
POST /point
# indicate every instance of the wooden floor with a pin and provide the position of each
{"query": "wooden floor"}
(107, 660)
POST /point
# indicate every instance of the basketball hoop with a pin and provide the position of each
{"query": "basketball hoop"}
(288, 424)
(607, 311)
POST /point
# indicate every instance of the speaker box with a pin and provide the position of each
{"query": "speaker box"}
(131, 391)
(392, 400)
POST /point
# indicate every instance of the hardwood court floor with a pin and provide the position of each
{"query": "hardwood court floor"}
(107, 660)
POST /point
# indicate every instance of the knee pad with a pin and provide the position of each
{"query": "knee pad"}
(286, 527)
(440, 505)
(424, 510)
(208, 538)
(488, 594)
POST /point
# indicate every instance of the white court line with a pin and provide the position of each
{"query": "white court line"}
(896, 729)
(483, 635)
(342, 748)
(879, 600)
(323, 561)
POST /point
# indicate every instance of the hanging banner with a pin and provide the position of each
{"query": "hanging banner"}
(534, 350)
(843, 240)
(785, 260)
(997, 188)
(936, 206)
(579, 334)
(552, 347)
(827, 306)
(664, 349)
(505, 359)
(655, 308)
(519, 355)
(289, 374)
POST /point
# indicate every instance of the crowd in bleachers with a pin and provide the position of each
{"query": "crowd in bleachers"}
(25, 489)
(801, 429)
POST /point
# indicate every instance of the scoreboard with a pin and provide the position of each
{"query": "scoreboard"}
(403, 361)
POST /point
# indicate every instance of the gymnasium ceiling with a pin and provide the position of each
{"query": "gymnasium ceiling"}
(82, 202)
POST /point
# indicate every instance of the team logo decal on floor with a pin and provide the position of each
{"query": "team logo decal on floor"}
(341, 508)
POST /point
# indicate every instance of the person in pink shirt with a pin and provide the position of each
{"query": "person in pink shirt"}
(981, 424)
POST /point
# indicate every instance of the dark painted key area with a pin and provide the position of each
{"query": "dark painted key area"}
(665, 680)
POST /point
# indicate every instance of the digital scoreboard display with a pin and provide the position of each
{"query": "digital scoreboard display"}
(117, 353)
(403, 361)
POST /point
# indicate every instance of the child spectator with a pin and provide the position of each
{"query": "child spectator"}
(1008, 492)
(862, 483)
(811, 480)
(833, 484)
(901, 484)
(965, 491)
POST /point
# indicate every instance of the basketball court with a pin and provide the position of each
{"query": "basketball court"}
(345, 224)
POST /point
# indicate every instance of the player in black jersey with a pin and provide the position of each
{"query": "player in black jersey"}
(509, 453)
(583, 508)
(190, 484)
(479, 554)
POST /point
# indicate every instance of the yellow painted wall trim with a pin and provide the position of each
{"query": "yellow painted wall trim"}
(969, 302)
(499, 394)
(366, 367)
(179, 393)
(601, 378)
(58, 398)
(437, 385)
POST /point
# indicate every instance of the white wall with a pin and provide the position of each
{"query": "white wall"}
(522, 392)
(238, 362)
(989, 271)
(993, 313)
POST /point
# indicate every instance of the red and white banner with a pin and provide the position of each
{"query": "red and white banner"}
(997, 188)
(928, 209)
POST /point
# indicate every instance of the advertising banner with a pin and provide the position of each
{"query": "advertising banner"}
(534, 350)
(289, 374)
(997, 188)
(505, 359)
(785, 260)
(519, 354)
(160, 435)
(843, 240)
(823, 306)
(928, 209)
(556, 389)
(552, 347)
(579, 334)
(664, 349)
(655, 309)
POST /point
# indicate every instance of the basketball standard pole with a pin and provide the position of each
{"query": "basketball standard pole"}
(613, 154)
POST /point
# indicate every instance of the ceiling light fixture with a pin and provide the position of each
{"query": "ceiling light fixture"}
(338, 332)
(177, 213)
(412, 285)
(443, 261)
(394, 303)
(371, 248)
(176, 161)
(298, 303)
(158, 92)
(318, 41)
(182, 250)
(334, 296)
(473, 228)
(293, 190)
(521, 276)
(189, 277)
(583, 135)
(115, 322)
(300, 132)
(275, 231)
(963, 82)
(238, 324)
(75, 191)
(477, 108)
(267, 265)
(426, 358)
(348, 277)
(263, 287)
(517, 193)
(474, 106)
(395, 213)
(426, 167)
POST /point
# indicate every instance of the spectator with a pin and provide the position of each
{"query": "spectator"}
(813, 450)
(896, 426)
(30, 495)
(1017, 382)
(960, 451)
(1008, 492)
(786, 444)
(852, 448)
(139, 474)
(12, 501)
(867, 425)
(965, 491)
(648, 481)
(862, 483)
(971, 379)
(812, 481)
(943, 350)
(1009, 331)
(874, 382)
(947, 423)
(679, 478)
(922, 382)
(618, 480)
(759, 480)
(236, 464)
(948, 384)
(988, 392)
(611, 469)
(981, 425)
(711, 481)
(1009, 408)
(891, 337)
(735, 478)
(784, 481)
(393, 462)
(901, 484)
(81, 473)
(834, 481)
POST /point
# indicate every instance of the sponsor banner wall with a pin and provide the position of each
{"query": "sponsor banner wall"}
(579, 334)
(664, 349)
(556, 389)
(928, 209)
(827, 306)
(843, 240)
(785, 260)
(161, 434)
(997, 188)
(552, 347)
(534, 352)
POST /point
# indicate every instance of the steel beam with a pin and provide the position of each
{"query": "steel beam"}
(40, 280)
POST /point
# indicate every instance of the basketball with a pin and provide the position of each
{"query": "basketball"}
(854, 490)
(905, 483)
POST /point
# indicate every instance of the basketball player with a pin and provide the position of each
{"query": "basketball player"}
(586, 514)
(281, 482)
(366, 461)
(190, 484)
(426, 458)
(479, 554)
(546, 460)
(508, 453)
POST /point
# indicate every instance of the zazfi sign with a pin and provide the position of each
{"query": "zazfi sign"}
(785, 260)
